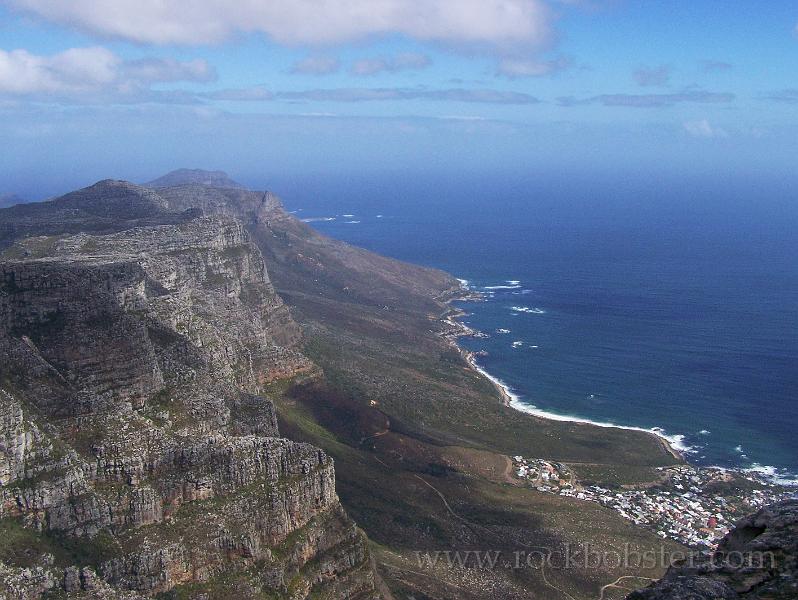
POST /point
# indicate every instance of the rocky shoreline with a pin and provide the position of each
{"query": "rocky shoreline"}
(455, 330)
(763, 492)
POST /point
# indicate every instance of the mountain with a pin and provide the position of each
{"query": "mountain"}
(203, 395)
(218, 179)
(106, 206)
(7, 200)
(757, 560)
(139, 452)
(421, 440)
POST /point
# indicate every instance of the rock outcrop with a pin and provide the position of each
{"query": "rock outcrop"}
(757, 560)
(300, 258)
(138, 452)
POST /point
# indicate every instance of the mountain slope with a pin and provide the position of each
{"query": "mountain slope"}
(218, 179)
(104, 207)
(421, 439)
(138, 453)
(7, 200)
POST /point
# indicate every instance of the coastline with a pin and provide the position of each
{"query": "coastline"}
(672, 445)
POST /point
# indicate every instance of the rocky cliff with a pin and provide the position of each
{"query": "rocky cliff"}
(757, 560)
(138, 455)
(300, 258)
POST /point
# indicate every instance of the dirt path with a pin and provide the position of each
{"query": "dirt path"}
(617, 584)
(508, 471)
(474, 527)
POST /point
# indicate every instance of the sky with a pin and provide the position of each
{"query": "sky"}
(275, 89)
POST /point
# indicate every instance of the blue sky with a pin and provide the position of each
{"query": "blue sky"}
(130, 89)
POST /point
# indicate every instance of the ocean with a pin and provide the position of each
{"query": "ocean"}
(651, 302)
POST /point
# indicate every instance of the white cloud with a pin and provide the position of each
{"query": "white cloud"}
(169, 69)
(316, 65)
(93, 72)
(652, 76)
(75, 70)
(486, 96)
(703, 129)
(493, 22)
(253, 94)
(400, 62)
(520, 67)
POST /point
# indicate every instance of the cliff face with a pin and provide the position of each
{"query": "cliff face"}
(757, 560)
(300, 258)
(137, 453)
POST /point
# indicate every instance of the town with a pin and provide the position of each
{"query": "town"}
(693, 505)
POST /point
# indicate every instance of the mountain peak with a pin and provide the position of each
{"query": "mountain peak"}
(218, 179)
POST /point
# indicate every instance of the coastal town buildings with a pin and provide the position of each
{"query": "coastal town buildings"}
(693, 505)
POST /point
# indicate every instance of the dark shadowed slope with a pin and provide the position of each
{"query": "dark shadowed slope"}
(104, 207)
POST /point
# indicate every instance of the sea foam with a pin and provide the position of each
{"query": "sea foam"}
(526, 309)
(502, 287)
(774, 475)
(676, 441)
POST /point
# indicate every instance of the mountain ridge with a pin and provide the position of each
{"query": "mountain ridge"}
(139, 453)
(218, 179)
(241, 317)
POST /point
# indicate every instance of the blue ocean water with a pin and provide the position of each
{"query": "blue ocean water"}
(652, 303)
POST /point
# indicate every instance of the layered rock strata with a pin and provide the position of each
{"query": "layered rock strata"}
(138, 454)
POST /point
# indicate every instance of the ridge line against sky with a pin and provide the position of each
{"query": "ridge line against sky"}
(661, 72)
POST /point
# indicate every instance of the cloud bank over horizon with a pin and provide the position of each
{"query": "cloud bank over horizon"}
(499, 23)
(93, 72)
(555, 76)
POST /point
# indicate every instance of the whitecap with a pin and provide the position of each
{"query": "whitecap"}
(518, 344)
(739, 449)
(773, 474)
(502, 331)
(705, 432)
(525, 309)
(675, 441)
